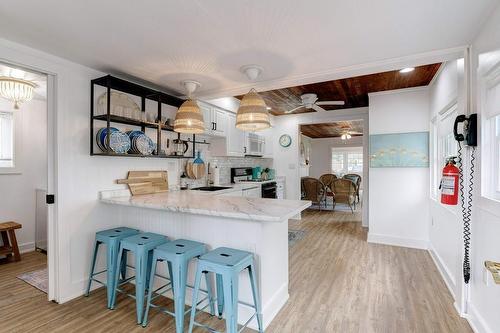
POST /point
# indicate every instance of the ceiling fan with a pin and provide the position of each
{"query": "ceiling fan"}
(310, 101)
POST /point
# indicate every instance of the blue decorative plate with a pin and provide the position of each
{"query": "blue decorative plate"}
(119, 142)
(101, 137)
(143, 144)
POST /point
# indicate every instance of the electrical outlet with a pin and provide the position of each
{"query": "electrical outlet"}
(291, 166)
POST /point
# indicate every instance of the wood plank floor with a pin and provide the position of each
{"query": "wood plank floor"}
(338, 283)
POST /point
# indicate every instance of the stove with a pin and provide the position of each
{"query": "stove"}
(244, 175)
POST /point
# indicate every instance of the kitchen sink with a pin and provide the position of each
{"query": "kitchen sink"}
(210, 188)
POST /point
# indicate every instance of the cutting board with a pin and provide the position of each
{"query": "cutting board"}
(195, 170)
(146, 182)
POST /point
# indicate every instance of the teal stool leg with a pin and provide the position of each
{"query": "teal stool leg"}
(171, 275)
(92, 267)
(111, 261)
(115, 283)
(210, 294)
(256, 300)
(150, 289)
(123, 268)
(141, 271)
(195, 298)
(179, 283)
(220, 295)
(231, 302)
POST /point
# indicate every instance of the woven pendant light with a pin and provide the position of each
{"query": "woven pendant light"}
(189, 118)
(252, 114)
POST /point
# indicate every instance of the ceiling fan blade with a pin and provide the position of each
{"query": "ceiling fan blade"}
(318, 108)
(295, 109)
(330, 103)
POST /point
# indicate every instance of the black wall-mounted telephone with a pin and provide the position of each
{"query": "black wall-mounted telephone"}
(470, 129)
(469, 135)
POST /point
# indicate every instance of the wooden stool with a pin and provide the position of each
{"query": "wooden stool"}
(7, 229)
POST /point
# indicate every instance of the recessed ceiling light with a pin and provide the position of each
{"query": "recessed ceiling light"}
(407, 70)
(268, 108)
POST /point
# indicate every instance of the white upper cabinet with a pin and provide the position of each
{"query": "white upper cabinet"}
(219, 118)
(235, 138)
(269, 142)
(215, 119)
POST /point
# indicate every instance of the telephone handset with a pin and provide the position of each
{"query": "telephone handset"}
(470, 129)
(469, 135)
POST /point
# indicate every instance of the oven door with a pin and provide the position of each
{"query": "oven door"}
(269, 190)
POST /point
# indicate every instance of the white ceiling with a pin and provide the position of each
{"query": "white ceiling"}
(167, 41)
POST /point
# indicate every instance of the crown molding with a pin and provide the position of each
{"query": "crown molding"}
(398, 91)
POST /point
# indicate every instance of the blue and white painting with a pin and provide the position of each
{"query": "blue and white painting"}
(399, 150)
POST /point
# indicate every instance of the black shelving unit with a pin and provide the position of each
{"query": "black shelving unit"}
(113, 83)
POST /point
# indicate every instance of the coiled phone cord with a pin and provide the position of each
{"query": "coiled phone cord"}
(466, 209)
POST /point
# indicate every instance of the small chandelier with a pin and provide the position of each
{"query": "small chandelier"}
(252, 114)
(16, 90)
(189, 118)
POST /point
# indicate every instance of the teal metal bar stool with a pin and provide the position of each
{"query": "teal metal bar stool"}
(111, 238)
(177, 254)
(227, 264)
(142, 246)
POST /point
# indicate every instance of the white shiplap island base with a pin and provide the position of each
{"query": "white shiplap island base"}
(256, 225)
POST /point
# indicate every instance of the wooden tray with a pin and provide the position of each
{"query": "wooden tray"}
(146, 182)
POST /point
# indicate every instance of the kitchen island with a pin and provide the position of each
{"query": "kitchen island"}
(256, 225)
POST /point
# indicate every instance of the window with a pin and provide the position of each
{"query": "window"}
(347, 160)
(6, 140)
(489, 93)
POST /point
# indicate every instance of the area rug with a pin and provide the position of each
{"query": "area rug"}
(294, 236)
(38, 279)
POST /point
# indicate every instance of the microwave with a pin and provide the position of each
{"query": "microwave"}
(254, 145)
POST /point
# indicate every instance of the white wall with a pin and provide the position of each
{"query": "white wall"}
(399, 207)
(445, 229)
(484, 300)
(286, 160)
(17, 197)
(321, 153)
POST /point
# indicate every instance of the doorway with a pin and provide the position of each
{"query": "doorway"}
(332, 157)
(26, 171)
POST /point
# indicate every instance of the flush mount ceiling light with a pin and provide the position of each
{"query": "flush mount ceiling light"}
(189, 118)
(252, 114)
(346, 136)
(407, 70)
(16, 90)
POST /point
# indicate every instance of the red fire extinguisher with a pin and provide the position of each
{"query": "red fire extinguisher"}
(449, 183)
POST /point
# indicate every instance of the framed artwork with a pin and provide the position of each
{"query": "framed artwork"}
(399, 150)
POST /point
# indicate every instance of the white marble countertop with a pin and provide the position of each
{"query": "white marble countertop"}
(194, 202)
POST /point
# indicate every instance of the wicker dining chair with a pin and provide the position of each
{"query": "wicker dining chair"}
(345, 192)
(356, 179)
(313, 190)
(327, 180)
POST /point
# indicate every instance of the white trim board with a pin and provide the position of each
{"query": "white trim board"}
(398, 91)
(398, 241)
(476, 321)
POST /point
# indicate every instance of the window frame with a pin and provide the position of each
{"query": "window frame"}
(345, 159)
(17, 127)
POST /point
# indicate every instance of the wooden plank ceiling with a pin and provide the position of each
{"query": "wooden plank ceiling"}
(353, 91)
(333, 130)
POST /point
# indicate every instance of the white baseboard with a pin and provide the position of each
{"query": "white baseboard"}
(448, 278)
(27, 247)
(476, 321)
(398, 241)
